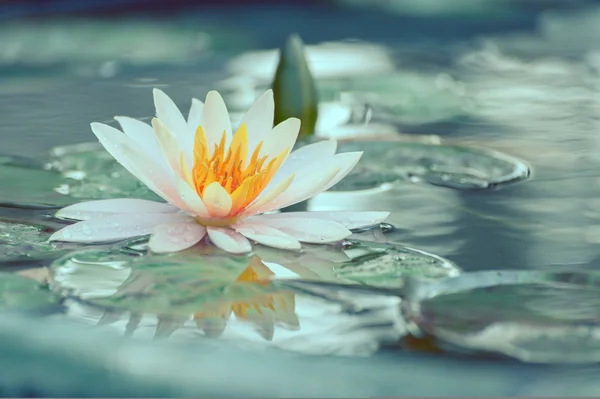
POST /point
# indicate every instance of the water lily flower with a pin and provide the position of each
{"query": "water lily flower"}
(216, 183)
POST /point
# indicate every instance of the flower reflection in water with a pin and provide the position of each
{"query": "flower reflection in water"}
(264, 309)
(204, 292)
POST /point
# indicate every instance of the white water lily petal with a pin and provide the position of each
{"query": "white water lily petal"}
(169, 146)
(192, 200)
(176, 236)
(282, 137)
(303, 156)
(142, 166)
(267, 235)
(259, 119)
(141, 133)
(217, 200)
(348, 219)
(309, 181)
(229, 240)
(195, 115)
(311, 230)
(169, 114)
(115, 227)
(100, 208)
(353, 158)
(215, 119)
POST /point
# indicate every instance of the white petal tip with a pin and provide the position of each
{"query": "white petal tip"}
(57, 236)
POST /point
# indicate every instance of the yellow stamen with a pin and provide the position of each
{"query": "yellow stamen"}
(242, 178)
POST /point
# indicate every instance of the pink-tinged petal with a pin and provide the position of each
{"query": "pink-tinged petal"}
(215, 119)
(282, 137)
(115, 227)
(317, 231)
(192, 200)
(303, 156)
(195, 115)
(349, 219)
(229, 240)
(217, 200)
(267, 235)
(141, 165)
(309, 181)
(99, 208)
(141, 133)
(176, 236)
(169, 146)
(259, 119)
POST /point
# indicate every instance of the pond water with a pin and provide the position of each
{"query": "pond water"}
(479, 127)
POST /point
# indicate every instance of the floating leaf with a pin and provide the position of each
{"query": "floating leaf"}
(385, 265)
(20, 242)
(533, 316)
(403, 97)
(24, 182)
(24, 294)
(94, 174)
(294, 87)
(441, 165)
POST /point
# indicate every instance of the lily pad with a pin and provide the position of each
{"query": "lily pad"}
(24, 294)
(385, 265)
(370, 263)
(401, 97)
(94, 174)
(26, 183)
(19, 242)
(533, 316)
(455, 167)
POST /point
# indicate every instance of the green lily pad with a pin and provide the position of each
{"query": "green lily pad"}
(23, 294)
(455, 167)
(533, 316)
(74, 173)
(386, 265)
(94, 174)
(25, 182)
(402, 97)
(24, 242)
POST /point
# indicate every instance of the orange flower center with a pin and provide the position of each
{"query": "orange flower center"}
(242, 177)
